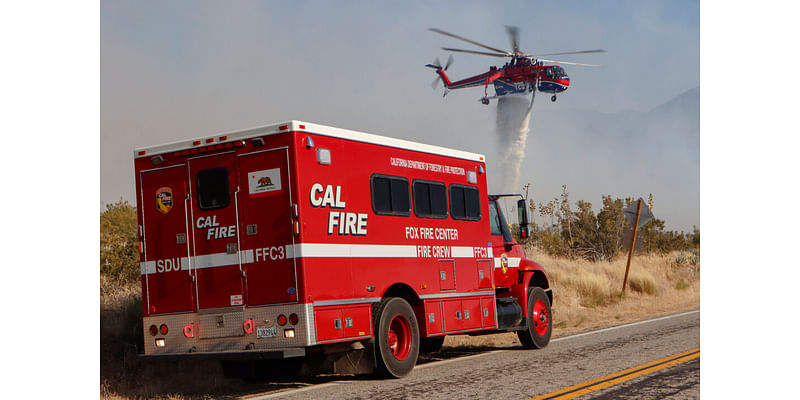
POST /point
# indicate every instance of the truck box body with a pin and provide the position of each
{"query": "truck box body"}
(275, 239)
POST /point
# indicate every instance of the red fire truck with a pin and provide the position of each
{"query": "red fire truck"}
(299, 239)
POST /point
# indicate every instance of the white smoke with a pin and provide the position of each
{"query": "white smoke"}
(513, 119)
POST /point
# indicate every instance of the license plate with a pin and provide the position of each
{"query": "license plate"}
(266, 331)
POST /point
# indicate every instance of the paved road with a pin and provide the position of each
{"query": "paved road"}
(514, 373)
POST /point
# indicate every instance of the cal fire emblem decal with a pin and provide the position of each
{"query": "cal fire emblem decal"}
(164, 199)
(504, 263)
(264, 181)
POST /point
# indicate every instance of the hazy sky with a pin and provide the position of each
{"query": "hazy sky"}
(182, 69)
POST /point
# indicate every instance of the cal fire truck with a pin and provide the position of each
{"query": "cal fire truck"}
(299, 239)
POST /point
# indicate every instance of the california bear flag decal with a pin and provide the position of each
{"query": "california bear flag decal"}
(264, 181)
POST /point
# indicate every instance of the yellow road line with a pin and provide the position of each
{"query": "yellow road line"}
(619, 377)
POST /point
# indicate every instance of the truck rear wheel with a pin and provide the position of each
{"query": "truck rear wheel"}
(540, 326)
(396, 337)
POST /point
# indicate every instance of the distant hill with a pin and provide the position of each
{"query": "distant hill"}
(628, 153)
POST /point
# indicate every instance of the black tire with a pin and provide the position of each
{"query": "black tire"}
(539, 326)
(395, 317)
(431, 344)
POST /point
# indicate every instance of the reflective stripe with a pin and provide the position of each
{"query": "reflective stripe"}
(352, 250)
(321, 303)
(312, 250)
(247, 256)
(317, 250)
(512, 262)
(215, 260)
(149, 267)
(447, 295)
(462, 252)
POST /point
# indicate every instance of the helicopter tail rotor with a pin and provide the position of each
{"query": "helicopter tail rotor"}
(438, 66)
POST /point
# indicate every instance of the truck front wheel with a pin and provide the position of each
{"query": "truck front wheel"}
(397, 337)
(540, 325)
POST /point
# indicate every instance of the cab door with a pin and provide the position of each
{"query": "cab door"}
(214, 193)
(501, 249)
(265, 209)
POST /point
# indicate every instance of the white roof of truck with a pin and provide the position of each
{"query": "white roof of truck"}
(304, 127)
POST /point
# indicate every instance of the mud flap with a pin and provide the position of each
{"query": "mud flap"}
(360, 361)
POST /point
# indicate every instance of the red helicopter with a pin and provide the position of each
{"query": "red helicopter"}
(523, 74)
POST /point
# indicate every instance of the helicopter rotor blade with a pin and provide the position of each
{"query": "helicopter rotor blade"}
(441, 32)
(435, 82)
(569, 62)
(567, 52)
(483, 53)
(513, 35)
(449, 62)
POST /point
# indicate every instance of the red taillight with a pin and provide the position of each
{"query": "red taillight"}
(163, 329)
(248, 326)
(281, 320)
(153, 330)
(293, 319)
(188, 330)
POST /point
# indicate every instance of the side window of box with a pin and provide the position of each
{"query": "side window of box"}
(390, 195)
(430, 199)
(465, 202)
(213, 190)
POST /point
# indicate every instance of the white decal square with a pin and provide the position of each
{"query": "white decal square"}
(264, 181)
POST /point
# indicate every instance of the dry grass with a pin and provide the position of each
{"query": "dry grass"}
(125, 375)
(588, 295)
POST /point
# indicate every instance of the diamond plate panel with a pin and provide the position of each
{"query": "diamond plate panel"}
(236, 341)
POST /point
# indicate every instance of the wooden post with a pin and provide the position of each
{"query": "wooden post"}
(633, 244)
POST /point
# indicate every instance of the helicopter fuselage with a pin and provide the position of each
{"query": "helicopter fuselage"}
(513, 80)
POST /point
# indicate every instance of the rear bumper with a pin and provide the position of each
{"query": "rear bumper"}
(232, 355)
(221, 332)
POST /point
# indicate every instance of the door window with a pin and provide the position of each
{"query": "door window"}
(213, 190)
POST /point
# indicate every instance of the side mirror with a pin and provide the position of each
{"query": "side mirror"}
(523, 215)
